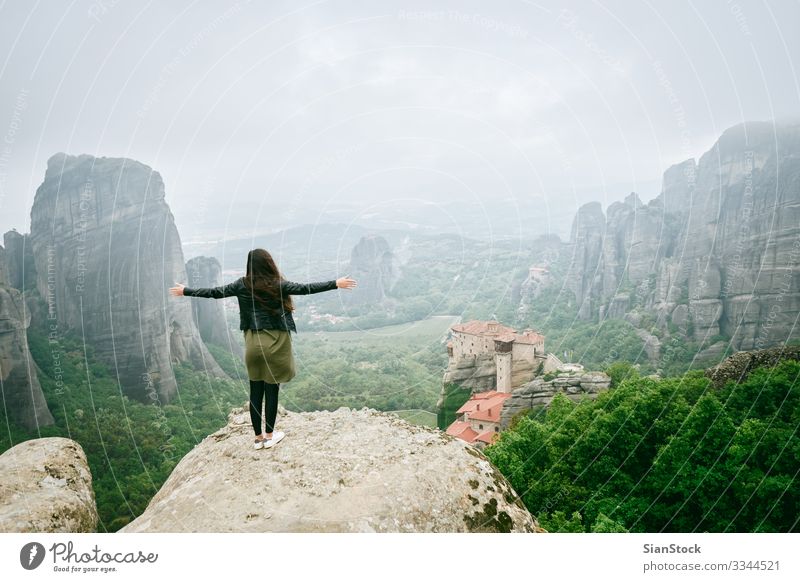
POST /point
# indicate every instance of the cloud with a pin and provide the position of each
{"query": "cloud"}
(256, 98)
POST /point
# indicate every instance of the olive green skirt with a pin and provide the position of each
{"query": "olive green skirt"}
(268, 355)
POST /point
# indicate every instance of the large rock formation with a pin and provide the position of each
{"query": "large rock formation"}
(546, 252)
(376, 269)
(714, 255)
(106, 251)
(22, 395)
(209, 315)
(737, 367)
(588, 233)
(479, 373)
(540, 392)
(46, 486)
(389, 476)
(19, 259)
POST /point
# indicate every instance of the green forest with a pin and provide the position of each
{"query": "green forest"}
(661, 451)
(662, 455)
(396, 367)
(474, 279)
(131, 447)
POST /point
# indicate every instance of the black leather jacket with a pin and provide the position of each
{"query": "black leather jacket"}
(254, 315)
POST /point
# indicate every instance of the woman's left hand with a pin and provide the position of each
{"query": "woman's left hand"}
(345, 283)
(177, 291)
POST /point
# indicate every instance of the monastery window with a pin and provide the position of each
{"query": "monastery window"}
(480, 426)
(497, 429)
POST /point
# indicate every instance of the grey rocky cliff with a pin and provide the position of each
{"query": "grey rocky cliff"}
(46, 486)
(22, 394)
(588, 233)
(677, 187)
(547, 249)
(106, 251)
(341, 471)
(737, 368)
(479, 373)
(540, 392)
(209, 315)
(375, 267)
(19, 260)
(714, 254)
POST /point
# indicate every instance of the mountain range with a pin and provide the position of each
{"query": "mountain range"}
(712, 259)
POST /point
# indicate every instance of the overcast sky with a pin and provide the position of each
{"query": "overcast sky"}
(320, 103)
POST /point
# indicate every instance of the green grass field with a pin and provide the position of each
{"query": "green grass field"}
(424, 330)
(420, 417)
(396, 367)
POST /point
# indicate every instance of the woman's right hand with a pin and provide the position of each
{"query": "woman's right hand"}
(346, 283)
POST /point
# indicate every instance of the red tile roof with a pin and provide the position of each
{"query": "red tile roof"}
(484, 405)
(475, 400)
(490, 410)
(462, 430)
(478, 327)
(529, 337)
(481, 406)
(487, 436)
(500, 332)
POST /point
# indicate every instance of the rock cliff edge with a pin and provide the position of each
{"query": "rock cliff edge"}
(46, 486)
(342, 471)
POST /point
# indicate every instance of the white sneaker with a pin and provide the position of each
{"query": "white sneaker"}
(277, 437)
(259, 443)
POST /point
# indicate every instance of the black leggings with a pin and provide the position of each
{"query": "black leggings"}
(259, 389)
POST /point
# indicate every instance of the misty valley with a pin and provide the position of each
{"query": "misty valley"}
(668, 327)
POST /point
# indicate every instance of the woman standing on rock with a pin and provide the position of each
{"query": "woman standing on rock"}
(265, 316)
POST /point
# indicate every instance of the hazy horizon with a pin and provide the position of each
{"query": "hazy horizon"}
(338, 107)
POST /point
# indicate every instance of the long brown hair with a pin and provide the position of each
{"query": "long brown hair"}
(262, 277)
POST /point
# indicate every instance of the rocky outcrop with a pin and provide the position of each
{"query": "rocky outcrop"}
(209, 316)
(588, 234)
(677, 187)
(46, 486)
(390, 476)
(4, 276)
(713, 353)
(714, 255)
(613, 252)
(737, 367)
(376, 269)
(651, 343)
(19, 260)
(106, 251)
(22, 394)
(479, 373)
(540, 392)
(546, 251)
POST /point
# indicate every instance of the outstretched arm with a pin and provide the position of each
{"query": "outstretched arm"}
(292, 288)
(228, 290)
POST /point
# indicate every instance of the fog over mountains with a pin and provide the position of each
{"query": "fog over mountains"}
(713, 259)
(366, 112)
(716, 255)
